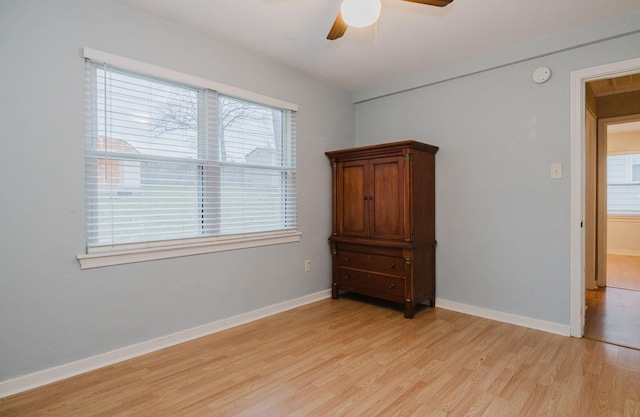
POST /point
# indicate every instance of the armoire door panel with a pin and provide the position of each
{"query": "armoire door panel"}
(387, 208)
(352, 205)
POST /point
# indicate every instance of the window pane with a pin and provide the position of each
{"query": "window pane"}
(623, 190)
(252, 200)
(142, 201)
(635, 174)
(153, 118)
(140, 187)
(257, 180)
(250, 133)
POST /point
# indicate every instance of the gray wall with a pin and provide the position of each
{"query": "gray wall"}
(51, 312)
(502, 225)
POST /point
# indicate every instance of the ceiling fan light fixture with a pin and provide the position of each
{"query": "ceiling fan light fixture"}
(360, 13)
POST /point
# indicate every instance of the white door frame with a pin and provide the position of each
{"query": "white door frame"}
(578, 106)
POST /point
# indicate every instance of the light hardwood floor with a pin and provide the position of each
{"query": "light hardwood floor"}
(613, 313)
(352, 358)
(613, 316)
(623, 271)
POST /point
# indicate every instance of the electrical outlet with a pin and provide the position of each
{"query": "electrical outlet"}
(307, 266)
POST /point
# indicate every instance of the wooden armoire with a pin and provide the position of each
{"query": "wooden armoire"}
(383, 240)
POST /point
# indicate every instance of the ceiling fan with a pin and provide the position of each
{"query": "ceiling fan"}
(361, 13)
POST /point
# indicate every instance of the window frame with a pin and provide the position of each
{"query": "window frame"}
(123, 253)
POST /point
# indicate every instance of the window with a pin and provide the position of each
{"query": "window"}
(181, 168)
(623, 185)
(635, 172)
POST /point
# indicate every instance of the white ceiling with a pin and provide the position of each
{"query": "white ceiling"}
(409, 38)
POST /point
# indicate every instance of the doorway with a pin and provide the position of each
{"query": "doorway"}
(613, 297)
(623, 201)
(578, 249)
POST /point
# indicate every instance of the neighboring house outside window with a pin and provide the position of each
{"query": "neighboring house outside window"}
(112, 171)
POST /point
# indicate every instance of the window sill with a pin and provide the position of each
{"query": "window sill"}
(624, 218)
(100, 256)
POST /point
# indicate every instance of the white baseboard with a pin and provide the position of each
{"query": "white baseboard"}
(58, 373)
(546, 326)
(48, 376)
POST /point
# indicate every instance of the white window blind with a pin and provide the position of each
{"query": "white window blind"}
(166, 161)
(623, 185)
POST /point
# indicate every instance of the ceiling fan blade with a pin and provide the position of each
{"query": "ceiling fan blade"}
(439, 3)
(338, 29)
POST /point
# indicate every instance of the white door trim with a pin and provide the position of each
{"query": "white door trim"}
(578, 105)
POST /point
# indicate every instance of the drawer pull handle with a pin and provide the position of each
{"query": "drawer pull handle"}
(392, 265)
(346, 277)
(391, 286)
(347, 259)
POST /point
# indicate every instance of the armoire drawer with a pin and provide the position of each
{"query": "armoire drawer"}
(370, 262)
(384, 284)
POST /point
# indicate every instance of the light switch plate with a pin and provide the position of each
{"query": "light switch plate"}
(555, 171)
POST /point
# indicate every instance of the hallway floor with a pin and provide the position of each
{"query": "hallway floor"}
(623, 271)
(613, 312)
(613, 316)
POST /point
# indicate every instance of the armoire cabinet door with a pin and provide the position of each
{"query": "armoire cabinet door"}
(351, 199)
(387, 199)
(371, 198)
